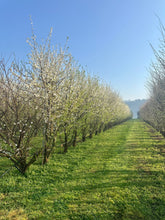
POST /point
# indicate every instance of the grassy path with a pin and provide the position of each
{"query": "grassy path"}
(116, 175)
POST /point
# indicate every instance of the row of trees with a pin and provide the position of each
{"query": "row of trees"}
(51, 96)
(153, 111)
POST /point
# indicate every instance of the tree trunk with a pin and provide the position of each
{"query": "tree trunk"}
(45, 159)
(100, 128)
(66, 143)
(83, 138)
(75, 138)
(45, 141)
(90, 135)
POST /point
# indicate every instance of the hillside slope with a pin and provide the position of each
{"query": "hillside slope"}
(135, 106)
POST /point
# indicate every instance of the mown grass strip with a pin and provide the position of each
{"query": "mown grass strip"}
(116, 175)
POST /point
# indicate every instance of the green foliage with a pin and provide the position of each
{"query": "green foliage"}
(118, 174)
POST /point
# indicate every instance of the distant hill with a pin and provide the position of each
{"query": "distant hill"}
(135, 105)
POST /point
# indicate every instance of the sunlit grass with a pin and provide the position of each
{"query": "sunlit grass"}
(118, 174)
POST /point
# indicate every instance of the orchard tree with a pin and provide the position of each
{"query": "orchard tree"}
(19, 118)
(154, 110)
(69, 104)
(48, 69)
(52, 94)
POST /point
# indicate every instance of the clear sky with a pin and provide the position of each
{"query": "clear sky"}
(110, 37)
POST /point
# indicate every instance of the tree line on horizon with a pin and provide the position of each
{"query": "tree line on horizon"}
(52, 97)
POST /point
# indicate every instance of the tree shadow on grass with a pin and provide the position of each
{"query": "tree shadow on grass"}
(141, 185)
(124, 178)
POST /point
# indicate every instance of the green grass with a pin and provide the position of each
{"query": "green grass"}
(118, 174)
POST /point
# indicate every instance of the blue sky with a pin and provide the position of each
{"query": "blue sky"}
(110, 37)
